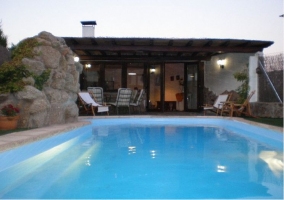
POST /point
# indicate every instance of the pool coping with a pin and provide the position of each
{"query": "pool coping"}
(16, 139)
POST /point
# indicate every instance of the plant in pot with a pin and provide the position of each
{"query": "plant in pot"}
(9, 118)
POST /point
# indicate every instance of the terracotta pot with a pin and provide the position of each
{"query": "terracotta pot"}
(8, 123)
(179, 97)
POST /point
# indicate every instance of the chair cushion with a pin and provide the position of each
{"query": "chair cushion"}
(103, 109)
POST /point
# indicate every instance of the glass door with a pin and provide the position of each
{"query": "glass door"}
(154, 102)
(135, 76)
(192, 85)
(174, 89)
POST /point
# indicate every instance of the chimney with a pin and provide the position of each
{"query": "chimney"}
(88, 28)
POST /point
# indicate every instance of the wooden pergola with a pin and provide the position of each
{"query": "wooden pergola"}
(100, 49)
(150, 51)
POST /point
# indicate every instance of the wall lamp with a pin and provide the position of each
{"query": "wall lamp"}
(221, 63)
(88, 65)
(76, 59)
(152, 70)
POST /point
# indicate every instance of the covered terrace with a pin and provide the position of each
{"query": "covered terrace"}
(178, 66)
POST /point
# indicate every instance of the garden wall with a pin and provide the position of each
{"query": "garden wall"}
(267, 109)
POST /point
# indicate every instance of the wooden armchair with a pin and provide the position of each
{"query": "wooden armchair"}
(232, 108)
(89, 104)
(218, 104)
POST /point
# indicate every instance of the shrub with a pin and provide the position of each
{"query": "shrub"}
(243, 89)
(13, 72)
(3, 38)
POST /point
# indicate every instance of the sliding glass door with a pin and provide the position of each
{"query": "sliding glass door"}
(154, 82)
(192, 86)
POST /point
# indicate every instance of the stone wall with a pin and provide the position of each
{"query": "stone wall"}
(56, 103)
(267, 109)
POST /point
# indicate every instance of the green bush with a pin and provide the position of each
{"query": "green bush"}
(243, 89)
(13, 72)
(41, 79)
(3, 38)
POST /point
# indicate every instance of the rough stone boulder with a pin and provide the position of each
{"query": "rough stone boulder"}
(56, 102)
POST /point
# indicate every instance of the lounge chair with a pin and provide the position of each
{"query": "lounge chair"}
(133, 96)
(97, 93)
(232, 108)
(218, 104)
(90, 105)
(123, 99)
(137, 103)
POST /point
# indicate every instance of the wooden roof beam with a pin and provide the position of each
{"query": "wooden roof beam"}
(87, 52)
(143, 58)
(113, 42)
(244, 44)
(208, 44)
(74, 41)
(225, 44)
(194, 54)
(166, 48)
(189, 43)
(94, 42)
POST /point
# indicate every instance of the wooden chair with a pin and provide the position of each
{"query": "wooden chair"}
(137, 103)
(97, 93)
(123, 99)
(89, 104)
(218, 104)
(232, 108)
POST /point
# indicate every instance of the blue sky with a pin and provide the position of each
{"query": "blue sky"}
(233, 19)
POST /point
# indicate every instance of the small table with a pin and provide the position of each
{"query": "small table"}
(110, 97)
(169, 105)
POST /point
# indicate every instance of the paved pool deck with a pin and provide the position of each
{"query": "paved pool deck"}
(16, 139)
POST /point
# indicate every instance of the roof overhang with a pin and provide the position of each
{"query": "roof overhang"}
(100, 49)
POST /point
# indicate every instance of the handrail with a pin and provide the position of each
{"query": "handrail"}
(271, 84)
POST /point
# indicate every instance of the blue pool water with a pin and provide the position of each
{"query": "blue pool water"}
(148, 158)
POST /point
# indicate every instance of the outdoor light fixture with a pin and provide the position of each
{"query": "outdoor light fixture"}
(221, 63)
(152, 70)
(76, 59)
(88, 65)
(132, 74)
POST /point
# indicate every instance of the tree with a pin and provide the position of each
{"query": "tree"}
(3, 38)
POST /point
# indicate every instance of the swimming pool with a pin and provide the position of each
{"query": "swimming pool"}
(148, 158)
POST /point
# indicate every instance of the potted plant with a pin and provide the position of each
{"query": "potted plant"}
(9, 118)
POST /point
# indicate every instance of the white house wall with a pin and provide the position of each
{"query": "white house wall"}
(218, 80)
(253, 77)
